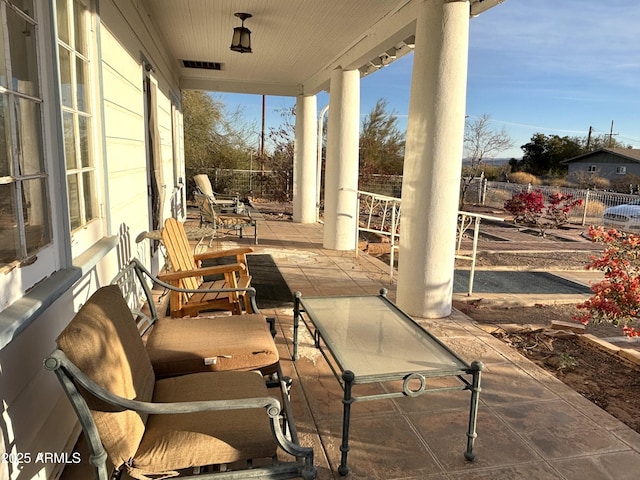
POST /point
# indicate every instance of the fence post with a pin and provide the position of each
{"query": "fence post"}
(484, 192)
(586, 205)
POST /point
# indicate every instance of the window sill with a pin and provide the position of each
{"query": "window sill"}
(17, 316)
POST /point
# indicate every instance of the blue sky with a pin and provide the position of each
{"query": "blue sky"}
(548, 66)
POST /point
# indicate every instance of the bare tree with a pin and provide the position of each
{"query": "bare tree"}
(481, 143)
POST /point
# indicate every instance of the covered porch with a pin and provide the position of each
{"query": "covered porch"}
(303, 49)
(530, 425)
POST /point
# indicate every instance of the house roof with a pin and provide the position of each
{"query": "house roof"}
(628, 154)
(296, 43)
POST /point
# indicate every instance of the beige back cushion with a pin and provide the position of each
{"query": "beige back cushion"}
(102, 340)
(204, 184)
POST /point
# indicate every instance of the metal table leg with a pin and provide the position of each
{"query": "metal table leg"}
(348, 377)
(476, 368)
(296, 322)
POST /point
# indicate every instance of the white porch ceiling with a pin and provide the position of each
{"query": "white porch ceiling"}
(296, 43)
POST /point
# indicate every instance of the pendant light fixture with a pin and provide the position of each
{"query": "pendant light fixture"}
(241, 41)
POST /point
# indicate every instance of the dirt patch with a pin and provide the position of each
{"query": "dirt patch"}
(542, 260)
(518, 260)
(539, 315)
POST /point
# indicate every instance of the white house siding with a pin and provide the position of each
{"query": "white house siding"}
(32, 397)
(124, 136)
(125, 124)
(166, 147)
(36, 416)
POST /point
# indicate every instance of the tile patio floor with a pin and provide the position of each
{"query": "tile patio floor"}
(530, 425)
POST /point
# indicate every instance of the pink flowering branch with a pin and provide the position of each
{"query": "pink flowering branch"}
(616, 298)
(529, 208)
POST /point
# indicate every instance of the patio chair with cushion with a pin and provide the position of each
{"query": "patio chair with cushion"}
(226, 222)
(212, 343)
(186, 273)
(222, 202)
(159, 428)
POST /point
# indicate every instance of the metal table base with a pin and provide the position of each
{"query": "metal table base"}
(368, 339)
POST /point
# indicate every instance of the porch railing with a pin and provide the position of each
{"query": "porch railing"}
(380, 214)
(465, 221)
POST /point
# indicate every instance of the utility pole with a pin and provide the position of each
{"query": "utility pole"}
(611, 134)
(589, 138)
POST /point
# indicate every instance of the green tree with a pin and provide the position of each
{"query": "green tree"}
(201, 114)
(604, 141)
(543, 154)
(213, 136)
(381, 142)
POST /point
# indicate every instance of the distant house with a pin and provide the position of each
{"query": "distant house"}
(610, 163)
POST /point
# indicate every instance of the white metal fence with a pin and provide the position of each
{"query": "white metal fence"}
(594, 202)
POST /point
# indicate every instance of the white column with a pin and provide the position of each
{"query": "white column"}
(304, 160)
(433, 159)
(341, 171)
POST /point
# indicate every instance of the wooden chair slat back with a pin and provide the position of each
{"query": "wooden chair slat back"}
(179, 251)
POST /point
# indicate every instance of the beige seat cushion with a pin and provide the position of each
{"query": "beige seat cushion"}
(103, 341)
(222, 343)
(173, 442)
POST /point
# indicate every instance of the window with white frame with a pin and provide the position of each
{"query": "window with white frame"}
(592, 169)
(73, 25)
(25, 225)
(621, 170)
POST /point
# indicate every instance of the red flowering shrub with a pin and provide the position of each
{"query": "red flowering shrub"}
(616, 298)
(529, 208)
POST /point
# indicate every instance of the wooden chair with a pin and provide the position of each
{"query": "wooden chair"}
(187, 273)
(228, 222)
(159, 428)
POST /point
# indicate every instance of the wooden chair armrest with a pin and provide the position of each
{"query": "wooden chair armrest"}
(222, 253)
(201, 272)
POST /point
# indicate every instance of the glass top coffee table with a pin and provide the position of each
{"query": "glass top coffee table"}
(368, 339)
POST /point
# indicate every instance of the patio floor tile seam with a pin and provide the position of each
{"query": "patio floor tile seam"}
(544, 434)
